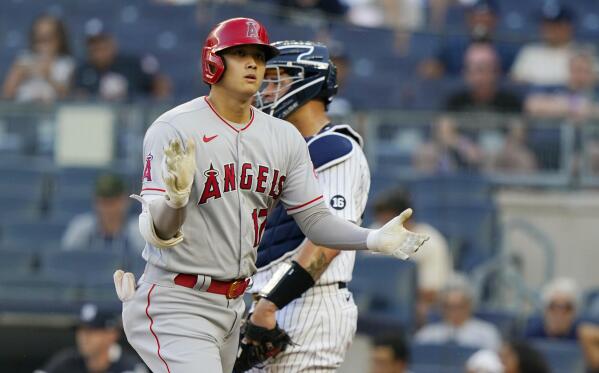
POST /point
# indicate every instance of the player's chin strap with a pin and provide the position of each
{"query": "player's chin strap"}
(148, 232)
(288, 283)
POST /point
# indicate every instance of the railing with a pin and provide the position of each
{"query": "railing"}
(509, 150)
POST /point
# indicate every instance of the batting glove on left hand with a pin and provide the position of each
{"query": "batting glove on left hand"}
(394, 239)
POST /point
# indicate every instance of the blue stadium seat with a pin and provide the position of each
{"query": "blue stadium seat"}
(562, 356)
(15, 262)
(449, 356)
(33, 233)
(451, 188)
(505, 321)
(36, 289)
(83, 266)
(385, 286)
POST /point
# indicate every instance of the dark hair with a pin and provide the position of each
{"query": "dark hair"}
(529, 359)
(61, 33)
(396, 200)
(396, 342)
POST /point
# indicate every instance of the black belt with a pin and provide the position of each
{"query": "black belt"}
(342, 285)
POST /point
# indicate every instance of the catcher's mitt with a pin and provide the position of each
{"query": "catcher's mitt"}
(258, 344)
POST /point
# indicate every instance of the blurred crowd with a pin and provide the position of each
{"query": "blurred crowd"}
(506, 93)
(47, 71)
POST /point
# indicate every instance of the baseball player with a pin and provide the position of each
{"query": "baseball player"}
(214, 168)
(322, 322)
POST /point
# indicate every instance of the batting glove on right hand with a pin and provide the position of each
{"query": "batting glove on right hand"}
(394, 239)
(178, 169)
(124, 284)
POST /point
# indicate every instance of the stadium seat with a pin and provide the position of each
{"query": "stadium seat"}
(505, 321)
(15, 262)
(82, 266)
(33, 233)
(562, 356)
(449, 356)
(385, 286)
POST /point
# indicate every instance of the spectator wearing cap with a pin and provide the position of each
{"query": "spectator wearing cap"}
(481, 20)
(546, 63)
(106, 228)
(110, 75)
(458, 324)
(97, 349)
(389, 354)
(44, 71)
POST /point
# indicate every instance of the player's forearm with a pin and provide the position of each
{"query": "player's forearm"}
(324, 229)
(167, 220)
(315, 259)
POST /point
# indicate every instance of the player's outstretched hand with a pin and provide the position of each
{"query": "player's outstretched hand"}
(178, 170)
(394, 239)
(124, 283)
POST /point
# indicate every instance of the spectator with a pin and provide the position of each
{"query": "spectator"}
(519, 357)
(112, 76)
(448, 150)
(389, 354)
(458, 324)
(577, 99)
(561, 303)
(484, 361)
(433, 260)
(97, 349)
(481, 21)
(515, 155)
(482, 74)
(44, 71)
(399, 15)
(107, 228)
(557, 34)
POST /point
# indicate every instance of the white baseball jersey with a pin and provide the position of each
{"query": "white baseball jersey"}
(242, 172)
(344, 182)
(322, 322)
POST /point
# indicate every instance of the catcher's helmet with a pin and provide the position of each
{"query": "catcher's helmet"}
(227, 34)
(312, 75)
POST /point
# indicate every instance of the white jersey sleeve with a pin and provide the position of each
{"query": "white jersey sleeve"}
(301, 189)
(157, 138)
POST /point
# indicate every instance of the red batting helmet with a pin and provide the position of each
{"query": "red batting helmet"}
(227, 34)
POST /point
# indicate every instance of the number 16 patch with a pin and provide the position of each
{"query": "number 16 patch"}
(338, 202)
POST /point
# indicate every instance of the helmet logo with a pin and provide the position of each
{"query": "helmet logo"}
(252, 31)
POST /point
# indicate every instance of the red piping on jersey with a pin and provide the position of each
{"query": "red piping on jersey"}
(226, 122)
(152, 330)
(304, 204)
(156, 189)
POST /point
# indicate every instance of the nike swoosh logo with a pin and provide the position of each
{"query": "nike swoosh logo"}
(208, 139)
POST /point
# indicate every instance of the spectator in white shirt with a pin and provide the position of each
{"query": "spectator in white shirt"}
(458, 324)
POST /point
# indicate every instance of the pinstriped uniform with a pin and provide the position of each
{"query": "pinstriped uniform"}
(322, 323)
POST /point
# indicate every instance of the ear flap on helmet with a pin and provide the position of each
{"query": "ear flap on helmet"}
(213, 66)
